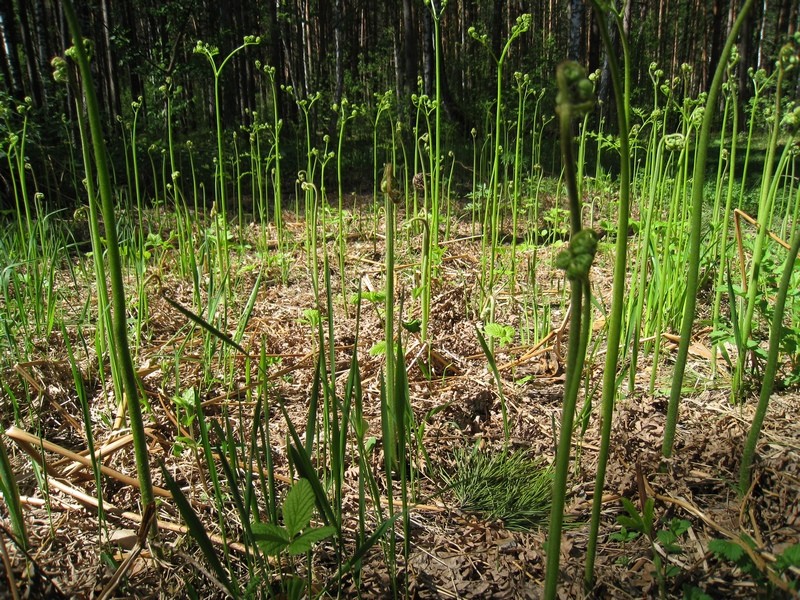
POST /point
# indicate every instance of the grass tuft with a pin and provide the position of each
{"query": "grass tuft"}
(509, 486)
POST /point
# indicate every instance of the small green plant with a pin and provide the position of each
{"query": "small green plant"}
(126, 370)
(767, 578)
(502, 333)
(295, 536)
(695, 238)
(511, 486)
(491, 219)
(311, 317)
(664, 542)
(771, 367)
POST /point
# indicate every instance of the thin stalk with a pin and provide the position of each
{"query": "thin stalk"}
(771, 368)
(390, 445)
(492, 235)
(523, 91)
(128, 371)
(693, 267)
(344, 116)
(615, 316)
(575, 96)
(433, 230)
(722, 254)
(765, 209)
(393, 401)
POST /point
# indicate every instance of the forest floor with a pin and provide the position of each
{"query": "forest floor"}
(454, 553)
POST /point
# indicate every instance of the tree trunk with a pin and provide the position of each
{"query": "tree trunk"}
(337, 51)
(11, 64)
(112, 93)
(42, 53)
(410, 41)
(134, 79)
(428, 57)
(34, 75)
(576, 12)
(761, 58)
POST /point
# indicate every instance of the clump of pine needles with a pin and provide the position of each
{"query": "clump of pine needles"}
(509, 486)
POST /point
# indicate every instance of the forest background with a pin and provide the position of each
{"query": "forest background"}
(323, 51)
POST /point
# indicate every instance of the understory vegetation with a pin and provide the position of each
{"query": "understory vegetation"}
(363, 354)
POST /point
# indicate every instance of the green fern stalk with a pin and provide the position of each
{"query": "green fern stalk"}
(575, 97)
(771, 368)
(618, 287)
(120, 324)
(765, 209)
(693, 267)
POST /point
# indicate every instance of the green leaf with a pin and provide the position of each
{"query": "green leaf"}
(679, 526)
(788, 558)
(630, 524)
(668, 540)
(647, 515)
(294, 587)
(503, 333)
(725, 549)
(306, 470)
(413, 326)
(303, 543)
(10, 493)
(362, 550)
(378, 296)
(695, 593)
(672, 571)
(378, 349)
(494, 330)
(298, 507)
(623, 535)
(633, 521)
(198, 533)
(270, 538)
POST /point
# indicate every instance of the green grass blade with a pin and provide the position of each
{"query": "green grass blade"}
(248, 310)
(362, 550)
(241, 507)
(313, 403)
(198, 533)
(307, 471)
(10, 491)
(201, 322)
(493, 366)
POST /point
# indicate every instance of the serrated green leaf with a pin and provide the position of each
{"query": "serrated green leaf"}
(679, 526)
(695, 593)
(298, 507)
(789, 558)
(672, 571)
(647, 515)
(665, 536)
(623, 535)
(726, 549)
(494, 330)
(378, 349)
(302, 543)
(668, 541)
(271, 538)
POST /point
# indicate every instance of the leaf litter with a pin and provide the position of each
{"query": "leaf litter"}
(454, 553)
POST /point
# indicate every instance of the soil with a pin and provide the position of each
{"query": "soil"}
(454, 553)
